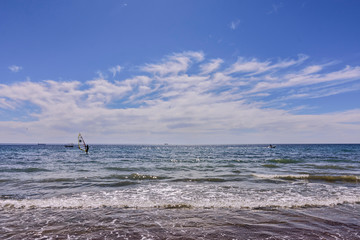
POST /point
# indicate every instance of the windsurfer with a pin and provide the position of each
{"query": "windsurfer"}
(87, 149)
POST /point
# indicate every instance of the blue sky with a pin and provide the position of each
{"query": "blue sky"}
(181, 72)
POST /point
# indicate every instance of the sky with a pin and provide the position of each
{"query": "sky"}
(180, 71)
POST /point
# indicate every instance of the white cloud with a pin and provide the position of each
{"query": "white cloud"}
(5, 104)
(243, 65)
(275, 8)
(171, 102)
(174, 64)
(213, 65)
(312, 69)
(235, 24)
(114, 70)
(102, 91)
(15, 68)
(254, 66)
(303, 79)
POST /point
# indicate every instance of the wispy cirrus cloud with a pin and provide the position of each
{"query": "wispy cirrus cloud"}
(186, 98)
(213, 65)
(275, 8)
(254, 66)
(303, 79)
(115, 70)
(234, 24)
(15, 68)
(174, 64)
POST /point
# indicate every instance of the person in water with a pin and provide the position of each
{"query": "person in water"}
(87, 148)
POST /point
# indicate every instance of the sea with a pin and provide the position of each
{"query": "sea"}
(306, 191)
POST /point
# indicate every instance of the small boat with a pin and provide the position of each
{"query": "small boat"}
(271, 146)
(70, 145)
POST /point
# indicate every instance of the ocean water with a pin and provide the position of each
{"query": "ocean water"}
(180, 192)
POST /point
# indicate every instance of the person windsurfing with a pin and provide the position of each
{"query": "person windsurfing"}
(87, 149)
(82, 145)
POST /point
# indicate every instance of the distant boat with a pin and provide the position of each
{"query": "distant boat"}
(41, 144)
(70, 145)
(271, 146)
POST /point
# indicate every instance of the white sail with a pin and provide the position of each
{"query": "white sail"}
(81, 143)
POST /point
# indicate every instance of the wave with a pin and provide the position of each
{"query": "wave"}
(8, 196)
(270, 165)
(135, 176)
(346, 178)
(327, 178)
(119, 169)
(25, 170)
(175, 206)
(284, 161)
(117, 184)
(194, 196)
(334, 167)
(54, 180)
(200, 180)
(96, 202)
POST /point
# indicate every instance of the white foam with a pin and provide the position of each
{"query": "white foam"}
(345, 178)
(196, 196)
(279, 176)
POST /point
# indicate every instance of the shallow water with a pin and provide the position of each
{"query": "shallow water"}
(177, 192)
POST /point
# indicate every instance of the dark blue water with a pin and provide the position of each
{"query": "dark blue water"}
(194, 192)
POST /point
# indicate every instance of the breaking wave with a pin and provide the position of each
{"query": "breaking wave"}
(344, 178)
(196, 196)
(135, 176)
